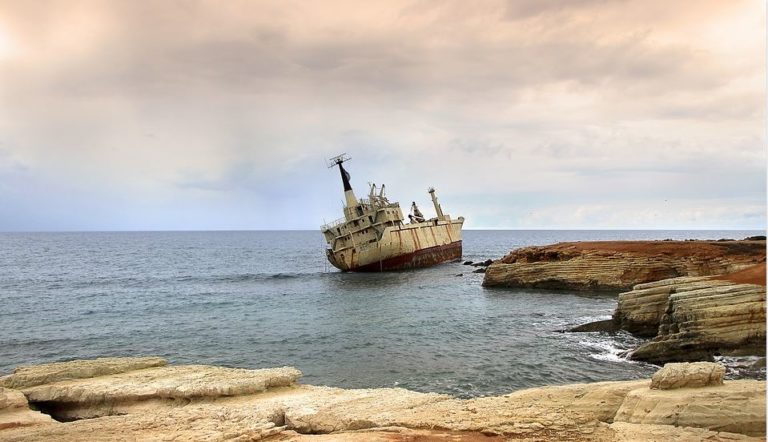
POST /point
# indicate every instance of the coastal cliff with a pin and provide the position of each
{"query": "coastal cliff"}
(619, 265)
(696, 318)
(194, 402)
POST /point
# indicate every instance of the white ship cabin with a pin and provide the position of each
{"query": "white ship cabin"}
(364, 220)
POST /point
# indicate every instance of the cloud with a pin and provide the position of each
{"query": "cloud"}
(182, 107)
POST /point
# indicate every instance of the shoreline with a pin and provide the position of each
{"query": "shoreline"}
(148, 399)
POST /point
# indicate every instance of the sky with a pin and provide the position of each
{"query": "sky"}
(523, 114)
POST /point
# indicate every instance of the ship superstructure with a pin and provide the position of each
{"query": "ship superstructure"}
(372, 236)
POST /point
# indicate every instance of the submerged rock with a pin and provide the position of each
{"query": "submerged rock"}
(607, 325)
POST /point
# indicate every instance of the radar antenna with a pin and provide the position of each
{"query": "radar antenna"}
(337, 160)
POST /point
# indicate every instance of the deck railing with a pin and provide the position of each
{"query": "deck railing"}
(333, 224)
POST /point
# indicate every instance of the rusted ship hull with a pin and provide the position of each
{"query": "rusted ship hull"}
(405, 246)
(414, 260)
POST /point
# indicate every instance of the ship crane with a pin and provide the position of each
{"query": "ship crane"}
(415, 216)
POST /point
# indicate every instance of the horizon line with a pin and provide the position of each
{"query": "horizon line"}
(504, 229)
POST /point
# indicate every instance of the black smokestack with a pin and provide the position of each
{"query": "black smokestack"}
(345, 178)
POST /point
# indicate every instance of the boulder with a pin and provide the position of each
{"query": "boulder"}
(688, 375)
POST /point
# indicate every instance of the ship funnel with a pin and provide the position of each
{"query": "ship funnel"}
(349, 195)
(438, 209)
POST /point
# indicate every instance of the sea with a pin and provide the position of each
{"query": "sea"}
(257, 299)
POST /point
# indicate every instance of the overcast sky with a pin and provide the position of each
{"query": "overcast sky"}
(155, 115)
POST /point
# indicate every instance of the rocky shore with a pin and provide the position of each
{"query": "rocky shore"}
(696, 299)
(146, 399)
(695, 318)
(619, 265)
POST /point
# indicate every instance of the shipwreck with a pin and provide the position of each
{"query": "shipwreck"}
(373, 237)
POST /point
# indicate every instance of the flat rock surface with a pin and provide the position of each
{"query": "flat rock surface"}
(212, 403)
(29, 376)
(737, 407)
(619, 265)
(171, 382)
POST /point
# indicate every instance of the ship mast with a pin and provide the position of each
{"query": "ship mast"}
(349, 195)
(438, 209)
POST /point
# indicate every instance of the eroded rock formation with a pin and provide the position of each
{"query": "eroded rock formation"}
(694, 319)
(213, 403)
(619, 265)
(15, 411)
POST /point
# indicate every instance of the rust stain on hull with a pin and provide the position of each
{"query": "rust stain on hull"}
(420, 258)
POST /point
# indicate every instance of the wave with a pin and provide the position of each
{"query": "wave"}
(243, 277)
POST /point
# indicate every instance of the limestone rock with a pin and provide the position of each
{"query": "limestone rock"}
(15, 411)
(212, 403)
(626, 432)
(619, 265)
(640, 311)
(698, 319)
(688, 375)
(87, 398)
(737, 407)
(29, 376)
(331, 409)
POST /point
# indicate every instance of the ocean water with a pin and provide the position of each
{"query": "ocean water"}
(264, 299)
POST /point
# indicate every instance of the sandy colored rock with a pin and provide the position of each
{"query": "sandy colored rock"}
(15, 411)
(104, 395)
(343, 410)
(626, 432)
(619, 265)
(695, 319)
(640, 310)
(211, 403)
(737, 407)
(688, 375)
(29, 376)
